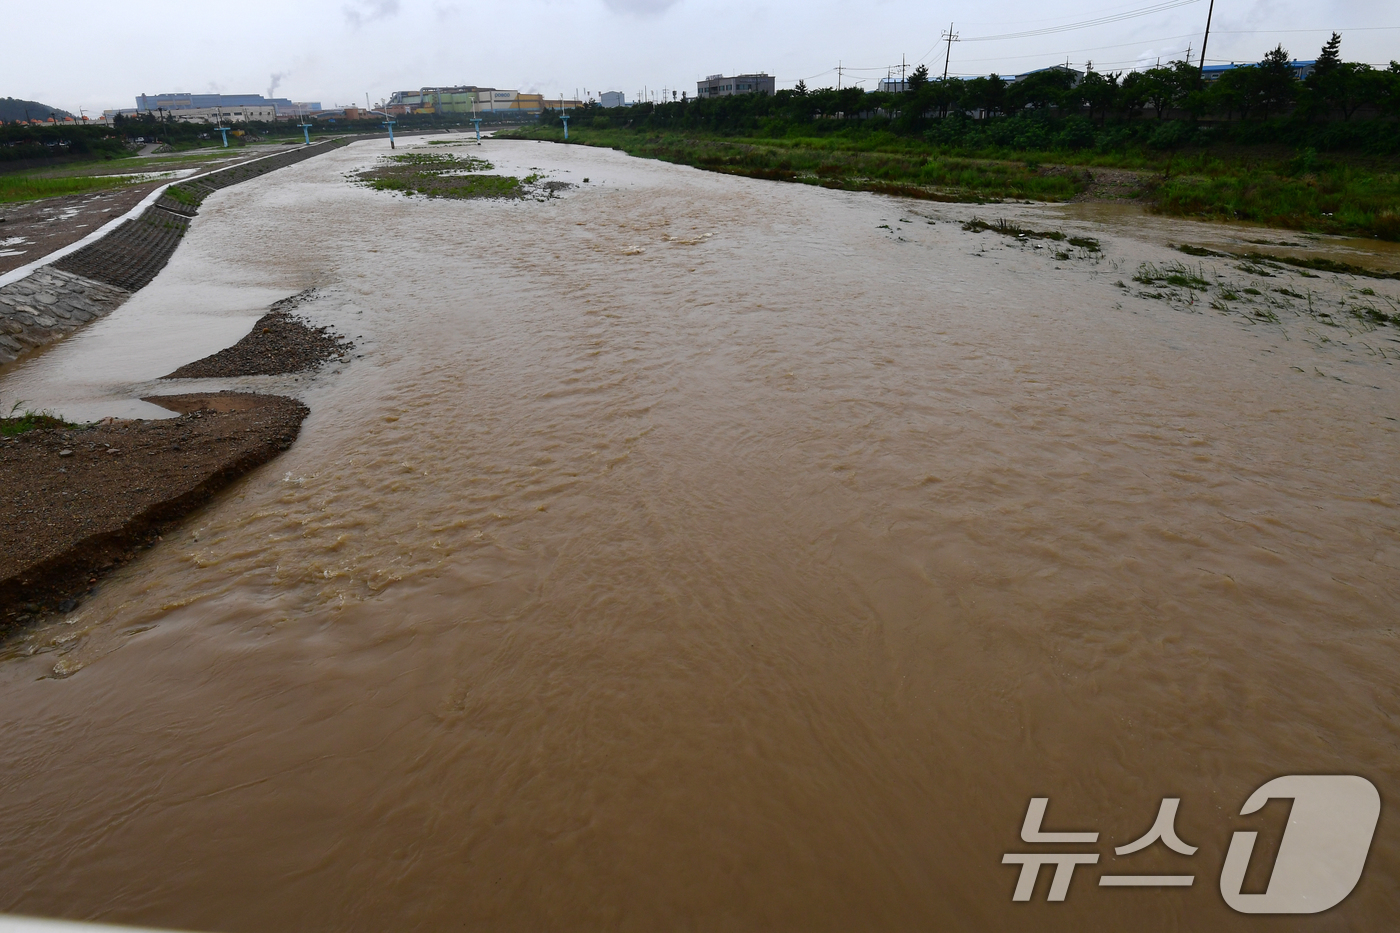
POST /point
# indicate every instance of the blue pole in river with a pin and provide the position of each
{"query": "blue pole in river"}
(390, 125)
(224, 130)
(478, 130)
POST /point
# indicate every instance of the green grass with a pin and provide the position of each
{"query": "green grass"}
(30, 188)
(439, 175)
(908, 169)
(183, 195)
(1357, 196)
(29, 421)
(1344, 199)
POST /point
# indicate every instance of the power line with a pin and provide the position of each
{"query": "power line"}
(1102, 20)
(1066, 27)
(1247, 32)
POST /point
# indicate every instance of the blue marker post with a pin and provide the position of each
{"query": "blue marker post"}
(306, 131)
(224, 130)
(564, 115)
(390, 125)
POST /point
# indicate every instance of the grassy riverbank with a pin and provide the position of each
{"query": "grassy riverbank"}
(26, 187)
(1341, 193)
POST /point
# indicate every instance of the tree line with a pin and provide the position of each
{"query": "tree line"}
(1335, 91)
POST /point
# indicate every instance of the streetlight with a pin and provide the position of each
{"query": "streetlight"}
(219, 122)
(388, 122)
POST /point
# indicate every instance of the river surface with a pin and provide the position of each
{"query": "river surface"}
(696, 552)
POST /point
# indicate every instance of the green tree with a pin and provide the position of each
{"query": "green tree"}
(944, 93)
(1133, 93)
(1098, 91)
(1159, 90)
(1041, 89)
(1319, 93)
(1234, 92)
(986, 94)
(1276, 86)
(918, 78)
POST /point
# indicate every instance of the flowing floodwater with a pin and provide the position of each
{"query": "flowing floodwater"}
(694, 552)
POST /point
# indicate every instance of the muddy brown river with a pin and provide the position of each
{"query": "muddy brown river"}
(695, 552)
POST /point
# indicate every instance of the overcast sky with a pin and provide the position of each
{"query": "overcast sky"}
(102, 54)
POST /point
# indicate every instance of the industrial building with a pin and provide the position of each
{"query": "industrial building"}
(1211, 73)
(612, 99)
(466, 99)
(722, 86)
(242, 114)
(165, 103)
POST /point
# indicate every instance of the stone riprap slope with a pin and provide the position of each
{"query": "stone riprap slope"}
(44, 306)
(133, 254)
(95, 280)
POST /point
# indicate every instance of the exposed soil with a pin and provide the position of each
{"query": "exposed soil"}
(1111, 184)
(33, 229)
(278, 343)
(81, 501)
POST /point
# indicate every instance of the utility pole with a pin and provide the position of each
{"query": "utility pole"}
(838, 74)
(951, 37)
(1209, 13)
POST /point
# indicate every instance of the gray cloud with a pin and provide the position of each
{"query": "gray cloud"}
(367, 11)
(275, 82)
(640, 7)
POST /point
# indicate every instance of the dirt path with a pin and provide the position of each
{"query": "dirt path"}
(32, 229)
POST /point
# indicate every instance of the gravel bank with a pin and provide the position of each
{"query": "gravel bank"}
(278, 343)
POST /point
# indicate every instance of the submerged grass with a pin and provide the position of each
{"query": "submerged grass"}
(1175, 274)
(443, 175)
(1254, 263)
(1007, 228)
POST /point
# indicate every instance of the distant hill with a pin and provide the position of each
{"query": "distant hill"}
(12, 108)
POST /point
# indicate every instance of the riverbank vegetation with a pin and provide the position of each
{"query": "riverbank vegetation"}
(19, 421)
(1321, 153)
(29, 187)
(443, 175)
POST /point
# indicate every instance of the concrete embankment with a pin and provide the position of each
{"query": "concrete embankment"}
(93, 281)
